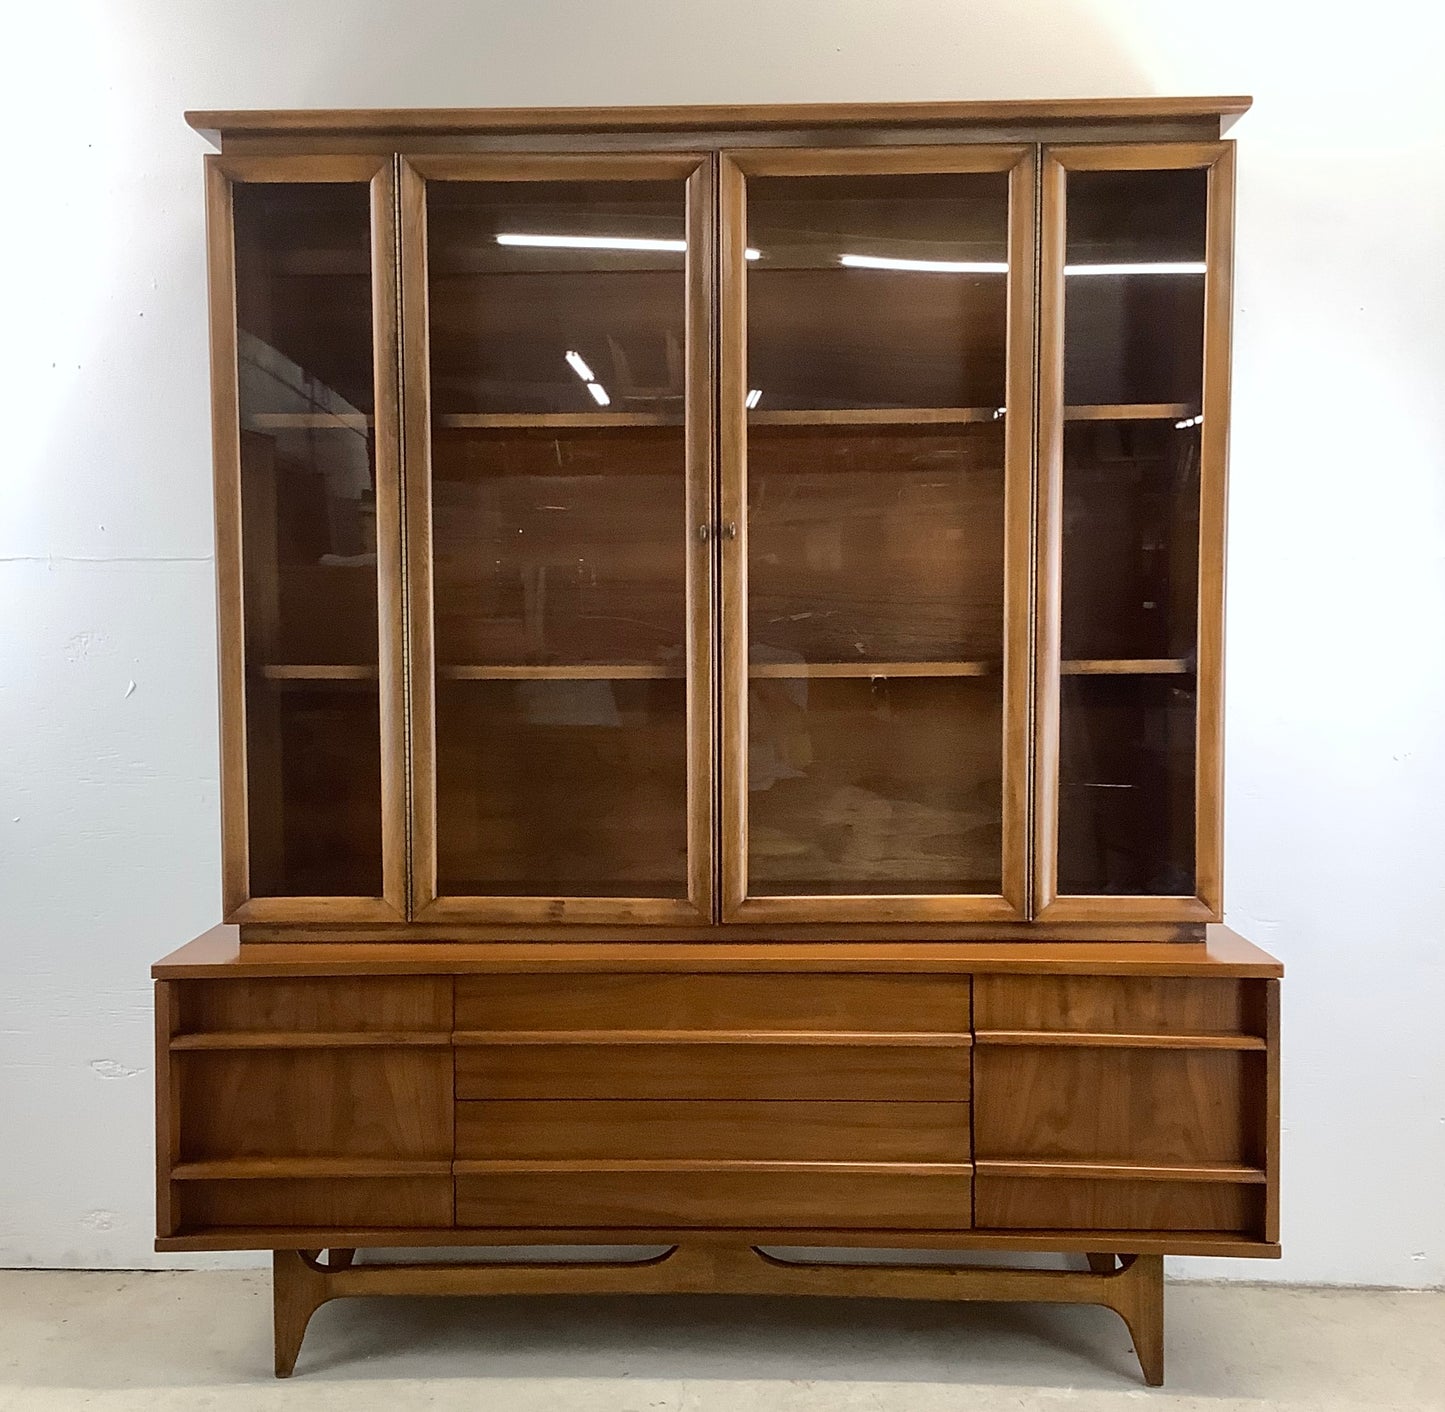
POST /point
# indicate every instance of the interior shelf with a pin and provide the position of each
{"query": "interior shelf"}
(1127, 667)
(316, 672)
(268, 1168)
(584, 671)
(872, 416)
(1130, 411)
(307, 1039)
(482, 421)
(791, 670)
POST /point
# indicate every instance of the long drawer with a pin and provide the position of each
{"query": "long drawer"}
(764, 1002)
(801, 1197)
(715, 1130)
(880, 1072)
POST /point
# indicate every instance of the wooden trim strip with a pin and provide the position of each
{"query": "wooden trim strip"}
(1138, 156)
(1081, 1039)
(311, 169)
(872, 416)
(168, 1106)
(390, 560)
(1121, 1171)
(416, 477)
(307, 1168)
(1019, 531)
(882, 161)
(308, 1039)
(898, 1039)
(323, 1237)
(548, 166)
(469, 1167)
(326, 910)
(460, 121)
(1272, 1109)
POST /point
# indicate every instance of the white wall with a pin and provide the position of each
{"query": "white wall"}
(108, 797)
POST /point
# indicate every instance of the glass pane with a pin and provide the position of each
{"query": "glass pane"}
(877, 349)
(1134, 343)
(878, 291)
(308, 532)
(559, 536)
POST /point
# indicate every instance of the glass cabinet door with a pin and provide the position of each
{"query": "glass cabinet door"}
(559, 465)
(876, 427)
(308, 538)
(1133, 411)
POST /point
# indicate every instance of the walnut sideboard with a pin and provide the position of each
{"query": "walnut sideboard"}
(721, 708)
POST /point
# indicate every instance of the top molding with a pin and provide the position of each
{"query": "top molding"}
(461, 122)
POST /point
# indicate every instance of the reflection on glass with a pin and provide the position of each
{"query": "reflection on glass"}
(308, 530)
(1134, 330)
(523, 273)
(558, 318)
(875, 538)
(878, 291)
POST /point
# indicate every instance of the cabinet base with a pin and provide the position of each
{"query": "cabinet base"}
(1131, 1285)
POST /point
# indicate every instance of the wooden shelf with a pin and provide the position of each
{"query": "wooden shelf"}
(790, 670)
(1128, 667)
(584, 671)
(270, 1168)
(308, 421)
(314, 672)
(469, 1167)
(1089, 1040)
(557, 421)
(308, 1039)
(1131, 411)
(873, 416)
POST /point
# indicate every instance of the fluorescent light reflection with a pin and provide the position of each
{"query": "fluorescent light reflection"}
(1189, 422)
(599, 394)
(1157, 267)
(940, 267)
(578, 365)
(755, 395)
(592, 242)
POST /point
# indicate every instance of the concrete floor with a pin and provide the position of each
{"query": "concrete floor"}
(194, 1340)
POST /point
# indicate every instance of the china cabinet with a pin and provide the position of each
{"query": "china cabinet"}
(720, 644)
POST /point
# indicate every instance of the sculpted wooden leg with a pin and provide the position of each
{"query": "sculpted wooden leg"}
(1101, 1264)
(298, 1290)
(1139, 1301)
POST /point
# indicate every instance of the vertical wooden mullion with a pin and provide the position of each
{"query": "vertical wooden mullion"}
(1018, 535)
(698, 405)
(416, 460)
(230, 595)
(391, 657)
(1213, 491)
(1048, 567)
(732, 442)
(168, 1111)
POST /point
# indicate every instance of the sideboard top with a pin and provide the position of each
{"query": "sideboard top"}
(370, 122)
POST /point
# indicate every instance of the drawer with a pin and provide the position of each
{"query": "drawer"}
(1147, 1105)
(353, 1202)
(720, 1129)
(1061, 1203)
(787, 1001)
(292, 1103)
(802, 1198)
(317, 1004)
(1119, 1005)
(881, 1072)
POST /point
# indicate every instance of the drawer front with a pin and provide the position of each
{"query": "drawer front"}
(881, 1072)
(787, 1001)
(355, 1202)
(314, 1103)
(804, 1199)
(317, 1004)
(1065, 1204)
(1122, 1005)
(1082, 1103)
(720, 1129)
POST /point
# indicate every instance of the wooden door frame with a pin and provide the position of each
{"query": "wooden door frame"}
(223, 173)
(1011, 903)
(695, 169)
(1206, 904)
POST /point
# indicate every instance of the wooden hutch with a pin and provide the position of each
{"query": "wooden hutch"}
(720, 662)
